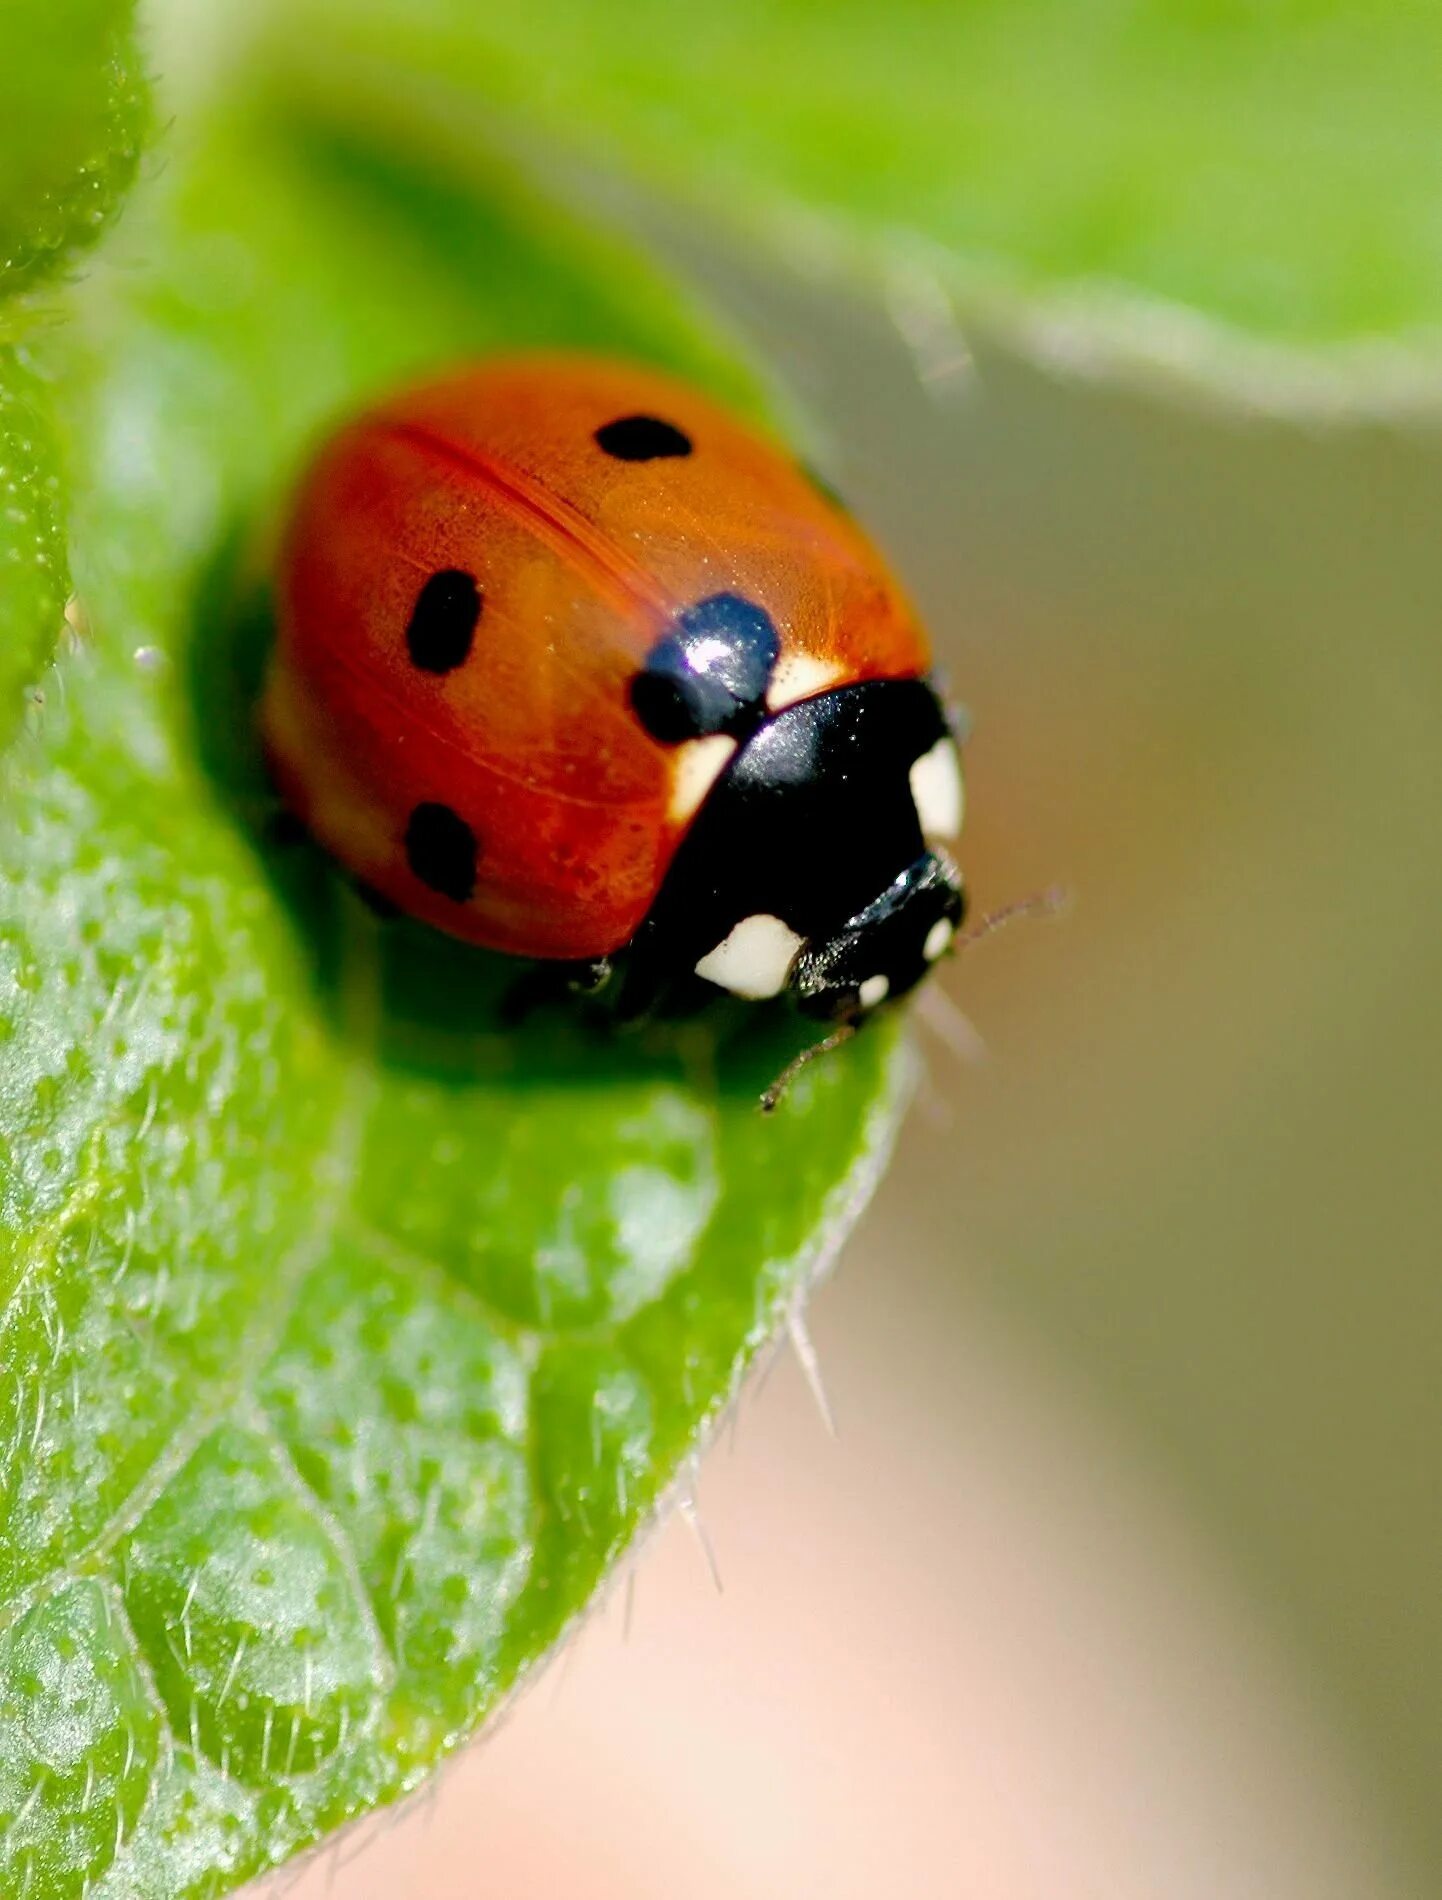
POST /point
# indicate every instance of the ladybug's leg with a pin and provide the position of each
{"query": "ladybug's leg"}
(542, 984)
(775, 1094)
(586, 978)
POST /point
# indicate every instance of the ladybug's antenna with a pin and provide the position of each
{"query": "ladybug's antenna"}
(771, 1097)
(951, 1025)
(940, 1013)
(1047, 903)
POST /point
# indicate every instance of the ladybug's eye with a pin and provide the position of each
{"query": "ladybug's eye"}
(443, 621)
(642, 439)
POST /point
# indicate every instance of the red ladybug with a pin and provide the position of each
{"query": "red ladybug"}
(573, 665)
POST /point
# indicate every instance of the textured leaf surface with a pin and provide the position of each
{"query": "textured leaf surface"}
(73, 115)
(1275, 169)
(346, 1339)
(73, 111)
(33, 581)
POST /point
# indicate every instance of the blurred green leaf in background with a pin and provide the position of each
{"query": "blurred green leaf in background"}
(1243, 194)
(73, 115)
(33, 570)
(74, 111)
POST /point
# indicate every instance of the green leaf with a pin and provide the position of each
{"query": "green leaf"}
(1148, 177)
(73, 117)
(347, 1336)
(73, 110)
(33, 580)
(78, 1739)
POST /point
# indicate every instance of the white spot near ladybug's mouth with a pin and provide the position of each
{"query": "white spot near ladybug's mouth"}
(873, 991)
(799, 676)
(938, 939)
(755, 960)
(936, 790)
(699, 763)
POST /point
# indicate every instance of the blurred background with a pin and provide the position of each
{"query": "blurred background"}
(1121, 1575)
(1119, 322)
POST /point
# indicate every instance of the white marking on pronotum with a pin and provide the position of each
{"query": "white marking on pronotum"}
(873, 991)
(804, 1347)
(699, 763)
(936, 790)
(799, 676)
(754, 960)
(938, 939)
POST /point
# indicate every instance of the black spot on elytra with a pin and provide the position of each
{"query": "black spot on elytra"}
(441, 850)
(710, 674)
(642, 439)
(443, 621)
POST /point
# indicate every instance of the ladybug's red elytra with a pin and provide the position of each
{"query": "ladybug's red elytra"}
(573, 665)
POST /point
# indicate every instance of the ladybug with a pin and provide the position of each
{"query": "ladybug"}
(573, 665)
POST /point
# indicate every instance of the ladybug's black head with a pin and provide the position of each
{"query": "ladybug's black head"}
(816, 866)
(887, 948)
